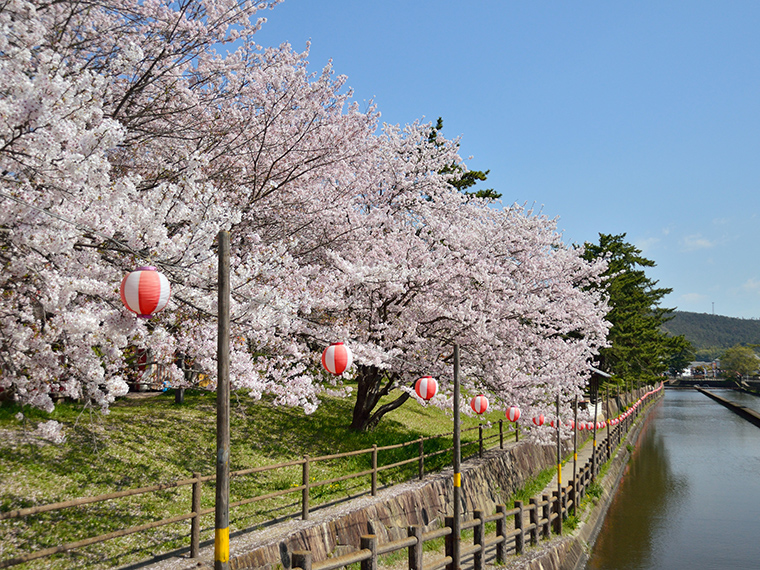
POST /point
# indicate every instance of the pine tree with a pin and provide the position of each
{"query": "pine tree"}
(638, 349)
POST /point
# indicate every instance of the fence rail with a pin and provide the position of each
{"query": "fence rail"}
(537, 523)
(196, 482)
(544, 517)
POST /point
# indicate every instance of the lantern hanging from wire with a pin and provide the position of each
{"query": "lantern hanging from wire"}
(539, 420)
(337, 358)
(513, 413)
(479, 404)
(145, 291)
(426, 387)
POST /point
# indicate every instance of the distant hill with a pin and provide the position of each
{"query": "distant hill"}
(713, 333)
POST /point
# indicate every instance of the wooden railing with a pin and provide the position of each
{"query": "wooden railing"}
(305, 489)
(536, 521)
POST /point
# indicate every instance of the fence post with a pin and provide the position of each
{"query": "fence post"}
(369, 542)
(501, 434)
(415, 550)
(533, 517)
(195, 524)
(479, 539)
(422, 458)
(501, 532)
(374, 469)
(301, 559)
(480, 441)
(305, 491)
(574, 496)
(545, 515)
(449, 542)
(520, 538)
(558, 511)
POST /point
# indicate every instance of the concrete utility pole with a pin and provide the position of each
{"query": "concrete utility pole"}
(457, 469)
(559, 473)
(222, 534)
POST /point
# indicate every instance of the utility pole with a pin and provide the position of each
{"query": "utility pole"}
(457, 470)
(222, 526)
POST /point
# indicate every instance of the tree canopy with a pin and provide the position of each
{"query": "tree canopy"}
(129, 136)
(740, 361)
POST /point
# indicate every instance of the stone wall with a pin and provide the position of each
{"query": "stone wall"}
(334, 531)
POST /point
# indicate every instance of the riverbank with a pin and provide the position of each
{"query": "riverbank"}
(571, 550)
(487, 482)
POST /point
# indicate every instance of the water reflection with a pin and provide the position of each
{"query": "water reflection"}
(690, 495)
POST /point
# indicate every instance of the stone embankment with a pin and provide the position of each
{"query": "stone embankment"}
(486, 482)
(571, 551)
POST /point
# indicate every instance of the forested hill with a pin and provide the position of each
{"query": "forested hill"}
(713, 331)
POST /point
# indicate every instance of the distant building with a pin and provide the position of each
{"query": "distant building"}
(702, 368)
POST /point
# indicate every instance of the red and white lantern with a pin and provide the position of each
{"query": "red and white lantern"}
(539, 421)
(572, 424)
(581, 426)
(426, 387)
(479, 404)
(555, 423)
(513, 413)
(337, 358)
(145, 291)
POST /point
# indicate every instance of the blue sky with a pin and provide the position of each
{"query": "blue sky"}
(640, 118)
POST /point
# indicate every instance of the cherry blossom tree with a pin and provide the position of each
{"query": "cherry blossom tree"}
(126, 138)
(444, 269)
(131, 132)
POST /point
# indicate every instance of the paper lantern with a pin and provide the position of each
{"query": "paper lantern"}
(479, 404)
(336, 358)
(145, 291)
(572, 424)
(513, 413)
(539, 421)
(555, 423)
(581, 426)
(426, 387)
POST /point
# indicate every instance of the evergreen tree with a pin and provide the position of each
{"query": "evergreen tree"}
(639, 349)
(466, 178)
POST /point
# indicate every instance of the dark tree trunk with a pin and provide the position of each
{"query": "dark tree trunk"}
(373, 385)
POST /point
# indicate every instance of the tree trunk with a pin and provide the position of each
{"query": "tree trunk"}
(373, 385)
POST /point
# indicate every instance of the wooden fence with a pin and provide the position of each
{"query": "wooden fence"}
(532, 523)
(536, 521)
(306, 487)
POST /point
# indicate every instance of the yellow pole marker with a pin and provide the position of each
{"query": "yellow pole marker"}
(559, 473)
(457, 479)
(222, 545)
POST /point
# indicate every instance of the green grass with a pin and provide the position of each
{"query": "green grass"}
(144, 442)
(535, 485)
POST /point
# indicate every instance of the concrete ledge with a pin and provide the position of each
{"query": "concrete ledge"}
(747, 413)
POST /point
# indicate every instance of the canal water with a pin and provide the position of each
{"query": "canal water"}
(690, 497)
